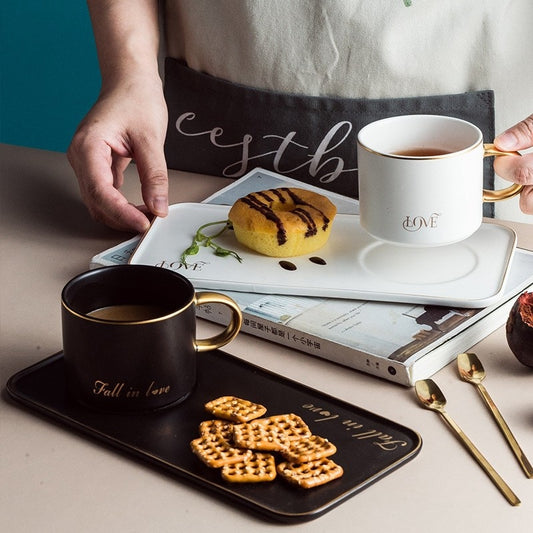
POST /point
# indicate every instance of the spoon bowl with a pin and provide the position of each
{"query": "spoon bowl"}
(430, 395)
(470, 368)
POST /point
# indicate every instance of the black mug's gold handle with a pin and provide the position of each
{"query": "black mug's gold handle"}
(501, 194)
(234, 326)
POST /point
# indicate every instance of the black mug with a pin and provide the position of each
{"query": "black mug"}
(129, 336)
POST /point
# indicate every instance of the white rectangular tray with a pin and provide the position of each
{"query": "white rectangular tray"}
(471, 273)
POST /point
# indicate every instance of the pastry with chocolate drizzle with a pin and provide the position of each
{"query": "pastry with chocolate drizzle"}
(283, 222)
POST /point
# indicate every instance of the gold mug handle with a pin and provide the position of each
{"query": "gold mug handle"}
(502, 194)
(234, 326)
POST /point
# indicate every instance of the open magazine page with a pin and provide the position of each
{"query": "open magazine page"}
(393, 331)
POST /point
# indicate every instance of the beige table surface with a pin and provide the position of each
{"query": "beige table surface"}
(53, 480)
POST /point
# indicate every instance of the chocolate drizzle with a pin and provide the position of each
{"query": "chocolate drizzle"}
(255, 203)
(279, 194)
(298, 201)
(262, 202)
(307, 218)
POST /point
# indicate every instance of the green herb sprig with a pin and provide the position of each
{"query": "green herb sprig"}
(201, 239)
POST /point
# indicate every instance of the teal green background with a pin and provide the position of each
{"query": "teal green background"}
(49, 74)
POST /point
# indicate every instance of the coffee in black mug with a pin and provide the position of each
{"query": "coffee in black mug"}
(129, 336)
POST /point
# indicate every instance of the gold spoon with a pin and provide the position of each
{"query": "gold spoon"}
(472, 371)
(432, 398)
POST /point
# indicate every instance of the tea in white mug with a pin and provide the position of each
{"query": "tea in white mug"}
(422, 152)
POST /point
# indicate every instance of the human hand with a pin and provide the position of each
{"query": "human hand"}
(517, 169)
(127, 122)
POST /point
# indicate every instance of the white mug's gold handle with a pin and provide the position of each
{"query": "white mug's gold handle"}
(502, 194)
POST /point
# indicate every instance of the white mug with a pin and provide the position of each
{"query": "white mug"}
(421, 179)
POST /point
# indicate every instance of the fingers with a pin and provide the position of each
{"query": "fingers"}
(118, 167)
(526, 200)
(152, 168)
(519, 137)
(93, 164)
(517, 169)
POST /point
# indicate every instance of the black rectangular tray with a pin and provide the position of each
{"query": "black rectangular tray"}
(368, 445)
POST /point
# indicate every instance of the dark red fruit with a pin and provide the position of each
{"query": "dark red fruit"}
(519, 329)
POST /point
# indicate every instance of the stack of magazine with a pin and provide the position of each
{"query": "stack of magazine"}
(395, 341)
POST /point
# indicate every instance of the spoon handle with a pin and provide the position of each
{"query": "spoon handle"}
(502, 486)
(511, 440)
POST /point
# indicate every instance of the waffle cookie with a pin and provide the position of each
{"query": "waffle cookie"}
(214, 428)
(310, 474)
(257, 435)
(215, 452)
(235, 409)
(309, 449)
(258, 468)
(292, 425)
